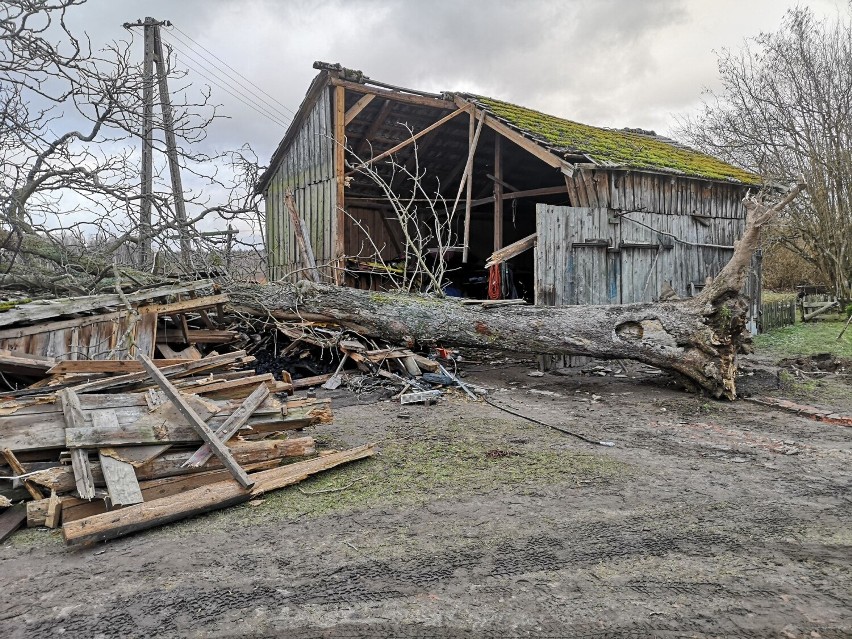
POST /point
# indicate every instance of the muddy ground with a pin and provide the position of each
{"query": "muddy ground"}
(705, 519)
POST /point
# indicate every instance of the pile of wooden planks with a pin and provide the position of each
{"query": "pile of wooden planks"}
(151, 441)
(99, 438)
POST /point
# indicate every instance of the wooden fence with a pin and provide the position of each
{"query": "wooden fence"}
(777, 314)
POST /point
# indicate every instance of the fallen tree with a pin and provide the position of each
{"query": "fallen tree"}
(696, 338)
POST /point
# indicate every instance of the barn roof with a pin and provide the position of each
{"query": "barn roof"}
(571, 142)
(622, 148)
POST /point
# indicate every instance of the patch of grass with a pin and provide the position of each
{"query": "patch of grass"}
(806, 339)
(454, 459)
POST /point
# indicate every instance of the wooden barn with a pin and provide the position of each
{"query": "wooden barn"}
(578, 214)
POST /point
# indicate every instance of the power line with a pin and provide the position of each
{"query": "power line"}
(232, 68)
(225, 85)
(237, 80)
(233, 91)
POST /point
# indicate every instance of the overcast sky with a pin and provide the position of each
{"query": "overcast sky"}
(606, 62)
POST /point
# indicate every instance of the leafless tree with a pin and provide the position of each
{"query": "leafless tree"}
(785, 111)
(426, 220)
(70, 137)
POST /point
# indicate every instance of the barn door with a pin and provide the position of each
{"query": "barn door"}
(574, 259)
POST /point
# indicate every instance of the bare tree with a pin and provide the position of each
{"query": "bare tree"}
(426, 220)
(785, 111)
(71, 124)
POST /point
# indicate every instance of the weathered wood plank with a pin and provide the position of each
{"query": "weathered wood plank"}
(197, 423)
(227, 430)
(11, 519)
(16, 467)
(74, 418)
(199, 500)
(121, 481)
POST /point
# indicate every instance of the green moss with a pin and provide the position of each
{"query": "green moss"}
(616, 148)
(10, 304)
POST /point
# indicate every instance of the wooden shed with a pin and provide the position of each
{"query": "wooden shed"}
(610, 214)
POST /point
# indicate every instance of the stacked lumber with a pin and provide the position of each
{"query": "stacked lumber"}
(148, 442)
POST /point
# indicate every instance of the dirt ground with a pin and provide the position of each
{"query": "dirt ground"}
(705, 519)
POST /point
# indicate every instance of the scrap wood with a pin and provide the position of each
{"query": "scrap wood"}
(61, 478)
(11, 519)
(16, 467)
(40, 310)
(21, 363)
(233, 424)
(512, 250)
(202, 499)
(204, 431)
(184, 369)
(5, 502)
(107, 365)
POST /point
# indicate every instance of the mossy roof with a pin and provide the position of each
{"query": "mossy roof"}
(613, 147)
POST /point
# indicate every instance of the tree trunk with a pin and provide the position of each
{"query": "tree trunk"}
(697, 338)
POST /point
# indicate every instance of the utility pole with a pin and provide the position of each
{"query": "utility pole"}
(171, 146)
(154, 57)
(145, 252)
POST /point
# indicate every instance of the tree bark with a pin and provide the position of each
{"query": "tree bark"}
(697, 338)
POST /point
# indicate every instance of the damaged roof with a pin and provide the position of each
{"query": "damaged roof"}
(615, 148)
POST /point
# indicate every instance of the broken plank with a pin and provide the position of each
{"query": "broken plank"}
(189, 367)
(195, 336)
(54, 511)
(73, 413)
(11, 519)
(108, 365)
(513, 250)
(121, 481)
(248, 454)
(19, 363)
(227, 430)
(199, 500)
(197, 423)
(19, 470)
(307, 382)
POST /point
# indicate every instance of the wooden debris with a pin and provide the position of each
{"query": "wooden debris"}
(220, 450)
(121, 481)
(11, 519)
(227, 430)
(16, 467)
(199, 500)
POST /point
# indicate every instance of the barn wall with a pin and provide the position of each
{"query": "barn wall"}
(600, 256)
(655, 193)
(306, 169)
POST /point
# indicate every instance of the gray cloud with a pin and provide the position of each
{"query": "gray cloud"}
(605, 62)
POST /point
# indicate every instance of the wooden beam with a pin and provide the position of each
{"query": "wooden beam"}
(196, 422)
(548, 190)
(203, 499)
(514, 249)
(303, 239)
(528, 145)
(73, 414)
(227, 430)
(374, 127)
(339, 172)
(410, 140)
(498, 193)
(356, 108)
(16, 467)
(467, 180)
(107, 365)
(397, 96)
